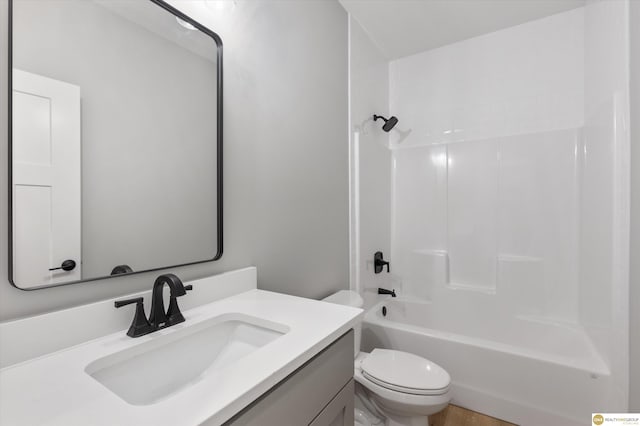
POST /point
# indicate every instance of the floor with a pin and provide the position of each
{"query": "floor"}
(458, 416)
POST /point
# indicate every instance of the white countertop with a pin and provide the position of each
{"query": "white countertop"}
(55, 389)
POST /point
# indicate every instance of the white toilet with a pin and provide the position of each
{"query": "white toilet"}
(399, 388)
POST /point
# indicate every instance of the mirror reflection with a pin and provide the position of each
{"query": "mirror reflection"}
(115, 140)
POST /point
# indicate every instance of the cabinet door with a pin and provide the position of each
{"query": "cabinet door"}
(339, 412)
(297, 400)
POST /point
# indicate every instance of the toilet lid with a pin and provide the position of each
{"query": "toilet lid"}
(405, 372)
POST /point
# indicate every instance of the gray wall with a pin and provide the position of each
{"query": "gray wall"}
(634, 321)
(286, 178)
(148, 130)
(302, 186)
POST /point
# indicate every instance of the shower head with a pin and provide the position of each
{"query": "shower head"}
(389, 123)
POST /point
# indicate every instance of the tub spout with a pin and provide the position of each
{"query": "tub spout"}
(385, 291)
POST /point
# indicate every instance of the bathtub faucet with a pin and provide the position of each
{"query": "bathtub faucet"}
(385, 291)
(379, 263)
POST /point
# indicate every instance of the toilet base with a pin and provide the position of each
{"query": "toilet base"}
(369, 414)
(393, 420)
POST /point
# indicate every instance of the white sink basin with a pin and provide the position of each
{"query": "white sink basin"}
(166, 364)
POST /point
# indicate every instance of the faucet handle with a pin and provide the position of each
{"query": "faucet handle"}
(140, 325)
(125, 302)
(379, 262)
(174, 316)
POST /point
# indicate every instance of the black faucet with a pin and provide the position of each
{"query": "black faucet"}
(385, 291)
(158, 318)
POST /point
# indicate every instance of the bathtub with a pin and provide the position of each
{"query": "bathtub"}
(525, 370)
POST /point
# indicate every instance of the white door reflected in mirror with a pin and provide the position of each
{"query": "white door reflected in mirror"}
(46, 180)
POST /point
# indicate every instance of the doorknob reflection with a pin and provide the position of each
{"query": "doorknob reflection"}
(67, 265)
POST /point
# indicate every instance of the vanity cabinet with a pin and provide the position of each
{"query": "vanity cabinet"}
(320, 393)
(339, 412)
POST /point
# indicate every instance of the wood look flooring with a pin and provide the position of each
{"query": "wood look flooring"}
(458, 416)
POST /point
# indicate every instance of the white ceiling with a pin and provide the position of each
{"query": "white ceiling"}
(404, 27)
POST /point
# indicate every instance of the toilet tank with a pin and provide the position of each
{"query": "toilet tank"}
(349, 298)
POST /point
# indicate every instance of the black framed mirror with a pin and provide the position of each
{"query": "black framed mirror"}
(115, 130)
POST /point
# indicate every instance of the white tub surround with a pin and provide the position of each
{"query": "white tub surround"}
(61, 387)
(510, 212)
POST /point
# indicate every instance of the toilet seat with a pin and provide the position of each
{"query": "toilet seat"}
(405, 372)
(401, 389)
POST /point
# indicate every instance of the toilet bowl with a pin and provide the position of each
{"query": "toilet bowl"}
(399, 388)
